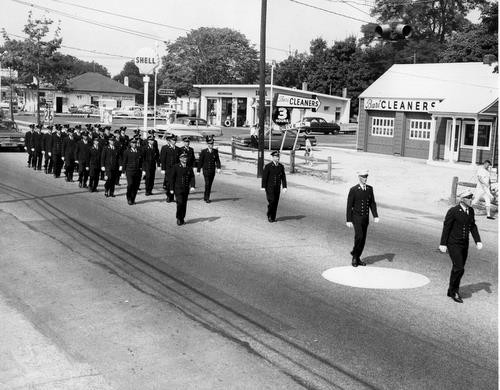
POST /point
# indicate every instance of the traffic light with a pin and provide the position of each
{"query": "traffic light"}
(393, 31)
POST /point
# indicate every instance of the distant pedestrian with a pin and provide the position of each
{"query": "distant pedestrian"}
(458, 223)
(183, 183)
(483, 188)
(273, 179)
(210, 163)
(132, 168)
(359, 203)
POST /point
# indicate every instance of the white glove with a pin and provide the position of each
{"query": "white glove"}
(191, 189)
(122, 175)
(62, 158)
(76, 161)
(105, 178)
(87, 168)
(218, 170)
(349, 224)
(376, 219)
(262, 189)
(25, 148)
(50, 154)
(120, 168)
(143, 172)
(32, 149)
(103, 169)
(442, 248)
(162, 171)
(171, 191)
(479, 245)
(198, 173)
(285, 189)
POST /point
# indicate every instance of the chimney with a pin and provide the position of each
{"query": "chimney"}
(125, 81)
(344, 92)
(489, 59)
(304, 86)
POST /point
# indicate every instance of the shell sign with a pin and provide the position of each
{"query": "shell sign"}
(146, 59)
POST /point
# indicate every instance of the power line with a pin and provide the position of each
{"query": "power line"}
(350, 5)
(326, 10)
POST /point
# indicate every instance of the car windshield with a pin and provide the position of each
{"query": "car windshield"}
(7, 126)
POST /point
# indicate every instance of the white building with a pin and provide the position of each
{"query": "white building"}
(238, 104)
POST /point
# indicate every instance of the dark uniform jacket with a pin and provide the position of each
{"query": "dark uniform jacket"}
(273, 177)
(82, 152)
(37, 141)
(28, 136)
(110, 159)
(190, 155)
(457, 226)
(132, 160)
(47, 142)
(209, 161)
(183, 178)
(151, 158)
(360, 202)
(57, 144)
(95, 157)
(69, 148)
(169, 156)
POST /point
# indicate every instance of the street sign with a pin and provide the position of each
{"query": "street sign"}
(146, 60)
(166, 92)
(297, 102)
(281, 116)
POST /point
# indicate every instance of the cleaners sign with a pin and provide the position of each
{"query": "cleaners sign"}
(297, 102)
(414, 105)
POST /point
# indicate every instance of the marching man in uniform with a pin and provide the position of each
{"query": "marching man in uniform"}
(359, 203)
(132, 168)
(210, 163)
(169, 157)
(273, 177)
(183, 183)
(458, 223)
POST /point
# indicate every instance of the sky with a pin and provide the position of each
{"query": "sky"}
(291, 24)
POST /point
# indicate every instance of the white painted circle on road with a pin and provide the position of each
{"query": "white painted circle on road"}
(375, 277)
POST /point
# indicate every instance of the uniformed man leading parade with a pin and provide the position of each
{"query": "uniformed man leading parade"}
(132, 168)
(273, 178)
(210, 163)
(169, 157)
(359, 203)
(458, 223)
(149, 164)
(110, 163)
(183, 183)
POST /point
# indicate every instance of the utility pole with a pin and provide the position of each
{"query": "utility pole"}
(262, 88)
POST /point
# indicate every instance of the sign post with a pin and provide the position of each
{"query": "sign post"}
(146, 60)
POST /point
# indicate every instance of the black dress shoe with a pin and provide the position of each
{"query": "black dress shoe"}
(456, 297)
(112, 195)
(179, 222)
(130, 202)
(80, 185)
(361, 262)
(168, 200)
(270, 219)
(354, 261)
(106, 194)
(208, 201)
(490, 217)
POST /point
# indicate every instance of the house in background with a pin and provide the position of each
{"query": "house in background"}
(86, 89)
(443, 111)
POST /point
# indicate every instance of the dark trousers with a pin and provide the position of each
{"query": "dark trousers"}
(133, 181)
(58, 163)
(94, 174)
(69, 169)
(458, 255)
(209, 179)
(181, 199)
(273, 198)
(360, 228)
(149, 180)
(36, 159)
(30, 157)
(168, 184)
(83, 174)
(109, 186)
(47, 163)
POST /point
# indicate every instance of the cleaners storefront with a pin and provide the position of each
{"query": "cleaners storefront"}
(432, 111)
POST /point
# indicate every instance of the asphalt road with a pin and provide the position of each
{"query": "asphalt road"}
(261, 283)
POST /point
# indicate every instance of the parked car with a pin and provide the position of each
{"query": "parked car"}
(190, 125)
(135, 111)
(276, 140)
(84, 109)
(10, 136)
(317, 124)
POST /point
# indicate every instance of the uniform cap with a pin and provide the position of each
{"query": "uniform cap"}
(466, 194)
(85, 134)
(362, 172)
(151, 138)
(32, 125)
(39, 126)
(117, 131)
(123, 128)
(186, 139)
(210, 140)
(183, 155)
(133, 140)
(275, 153)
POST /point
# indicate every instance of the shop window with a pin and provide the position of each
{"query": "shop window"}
(382, 127)
(483, 138)
(420, 129)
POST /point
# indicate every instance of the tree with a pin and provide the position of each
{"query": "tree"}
(34, 57)
(291, 72)
(209, 56)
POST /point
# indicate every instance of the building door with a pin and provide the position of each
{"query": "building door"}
(241, 113)
(452, 140)
(59, 104)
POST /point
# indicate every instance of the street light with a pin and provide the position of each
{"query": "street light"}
(273, 64)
